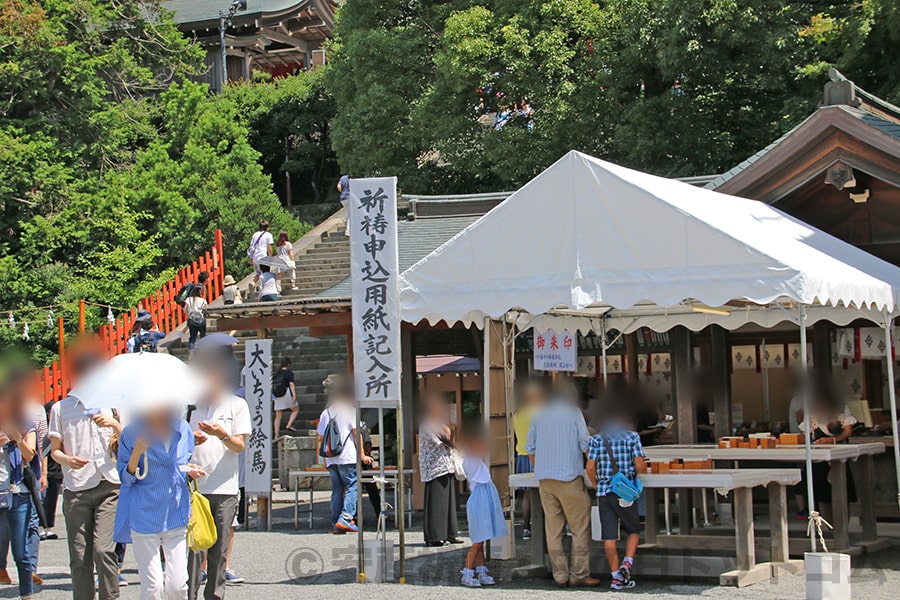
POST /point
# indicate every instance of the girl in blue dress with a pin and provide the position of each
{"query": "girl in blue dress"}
(483, 509)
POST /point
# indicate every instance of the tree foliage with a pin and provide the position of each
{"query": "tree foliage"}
(675, 87)
(289, 120)
(114, 169)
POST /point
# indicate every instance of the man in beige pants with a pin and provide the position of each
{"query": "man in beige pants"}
(557, 441)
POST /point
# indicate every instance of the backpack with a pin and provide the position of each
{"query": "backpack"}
(196, 316)
(332, 444)
(184, 293)
(280, 384)
(144, 342)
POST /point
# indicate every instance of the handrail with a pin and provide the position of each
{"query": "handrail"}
(165, 312)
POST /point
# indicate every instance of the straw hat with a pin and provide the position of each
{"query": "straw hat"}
(229, 280)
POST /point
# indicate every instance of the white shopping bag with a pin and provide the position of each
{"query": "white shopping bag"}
(596, 529)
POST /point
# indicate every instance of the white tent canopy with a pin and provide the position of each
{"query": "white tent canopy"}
(588, 234)
(590, 245)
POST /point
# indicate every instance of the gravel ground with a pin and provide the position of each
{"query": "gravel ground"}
(285, 563)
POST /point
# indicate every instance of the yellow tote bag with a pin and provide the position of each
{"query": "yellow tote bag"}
(201, 529)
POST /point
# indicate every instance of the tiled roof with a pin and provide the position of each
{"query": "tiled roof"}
(415, 240)
(749, 161)
(888, 126)
(204, 11)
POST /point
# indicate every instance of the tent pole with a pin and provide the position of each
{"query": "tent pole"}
(892, 394)
(805, 392)
(603, 350)
(765, 373)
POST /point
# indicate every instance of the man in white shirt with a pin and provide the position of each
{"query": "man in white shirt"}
(342, 467)
(79, 442)
(221, 424)
(261, 243)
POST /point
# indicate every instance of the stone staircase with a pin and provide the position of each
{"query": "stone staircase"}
(320, 267)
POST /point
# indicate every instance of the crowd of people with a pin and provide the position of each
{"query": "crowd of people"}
(123, 479)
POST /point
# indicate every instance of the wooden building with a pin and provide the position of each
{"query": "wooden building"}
(275, 36)
(839, 171)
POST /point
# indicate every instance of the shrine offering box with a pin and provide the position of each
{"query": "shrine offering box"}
(694, 465)
(790, 439)
(730, 442)
(767, 442)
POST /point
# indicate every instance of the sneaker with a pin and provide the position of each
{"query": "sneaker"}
(50, 535)
(526, 534)
(625, 571)
(294, 287)
(4, 576)
(122, 581)
(483, 577)
(346, 525)
(232, 578)
(469, 579)
(336, 531)
(203, 576)
(618, 584)
(803, 515)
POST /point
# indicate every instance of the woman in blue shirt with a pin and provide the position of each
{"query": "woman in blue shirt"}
(18, 516)
(154, 503)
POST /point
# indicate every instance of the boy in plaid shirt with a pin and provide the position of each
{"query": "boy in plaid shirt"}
(616, 448)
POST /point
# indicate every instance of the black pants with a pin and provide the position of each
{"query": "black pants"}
(196, 331)
(440, 509)
(374, 495)
(242, 508)
(51, 499)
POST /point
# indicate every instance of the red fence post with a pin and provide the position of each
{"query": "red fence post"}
(219, 257)
(47, 390)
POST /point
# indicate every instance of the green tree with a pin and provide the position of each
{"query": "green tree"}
(289, 122)
(200, 174)
(675, 87)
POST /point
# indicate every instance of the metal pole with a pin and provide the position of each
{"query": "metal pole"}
(361, 550)
(765, 374)
(804, 391)
(223, 21)
(383, 506)
(892, 394)
(603, 362)
(401, 504)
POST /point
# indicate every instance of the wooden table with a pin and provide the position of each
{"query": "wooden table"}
(296, 476)
(836, 455)
(740, 481)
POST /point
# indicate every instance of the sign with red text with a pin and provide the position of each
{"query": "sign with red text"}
(555, 351)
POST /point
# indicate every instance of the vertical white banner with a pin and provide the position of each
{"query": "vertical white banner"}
(374, 269)
(258, 387)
